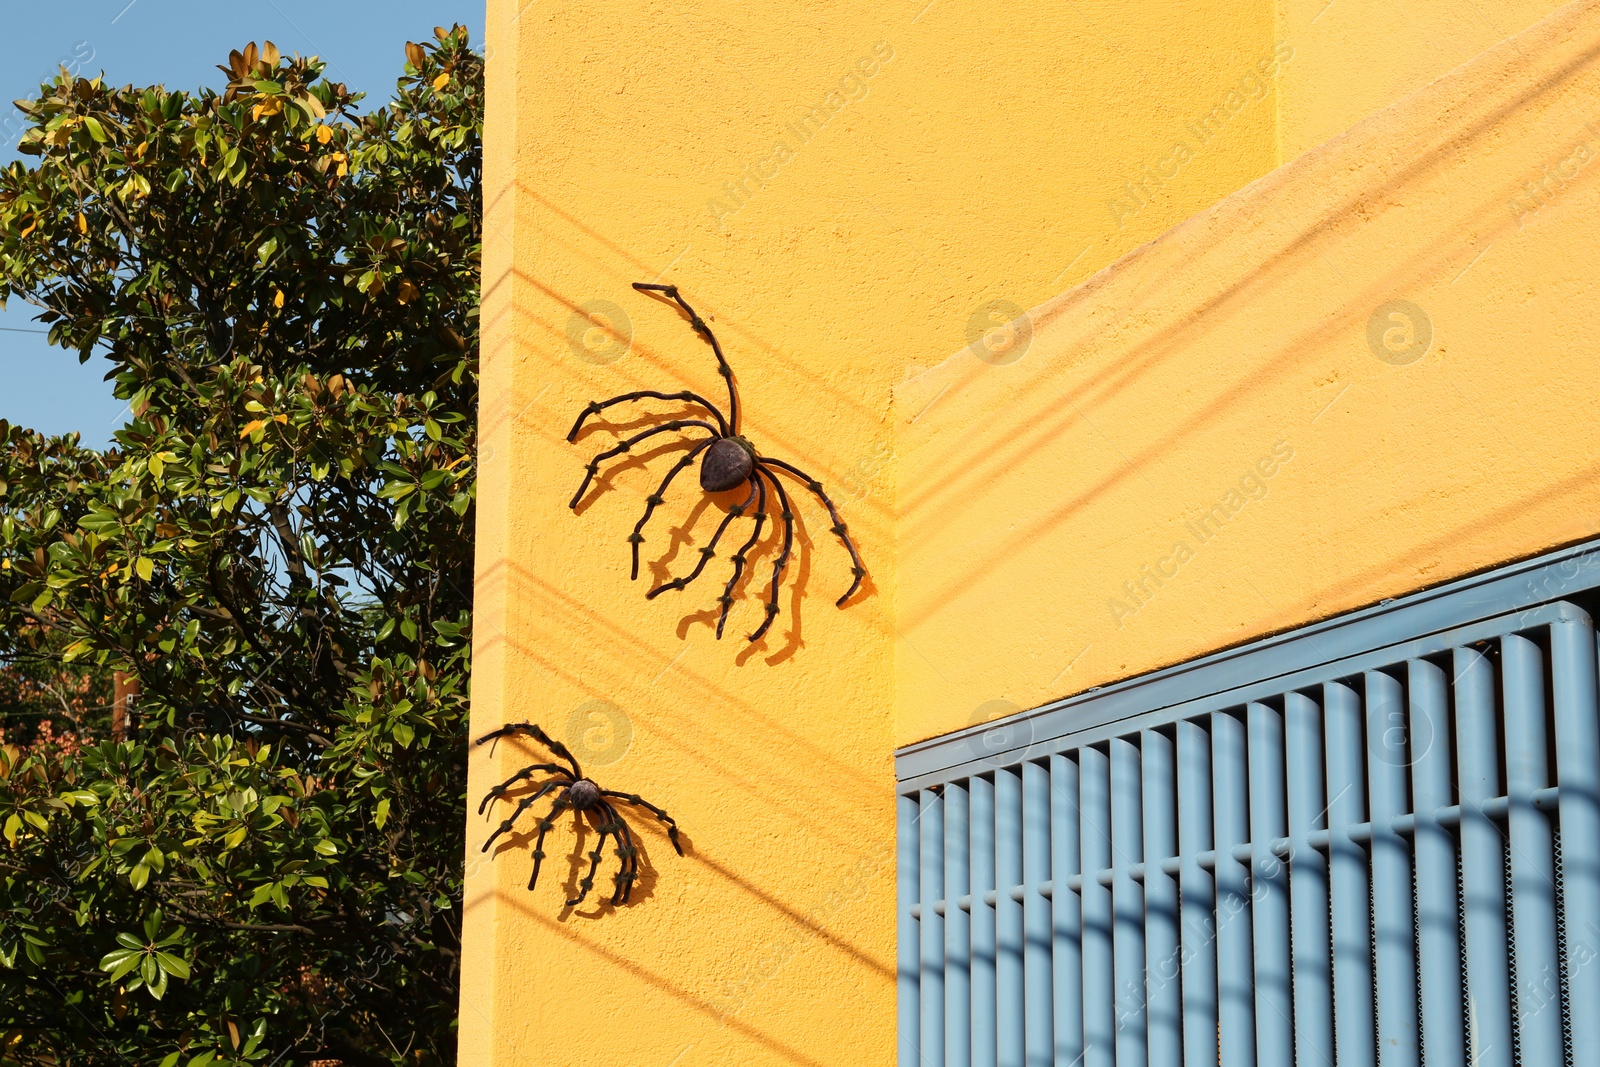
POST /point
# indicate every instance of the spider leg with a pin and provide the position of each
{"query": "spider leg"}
(783, 556)
(636, 538)
(726, 599)
(710, 550)
(539, 735)
(636, 799)
(545, 825)
(838, 528)
(606, 829)
(628, 857)
(627, 443)
(700, 327)
(597, 406)
(527, 802)
(520, 776)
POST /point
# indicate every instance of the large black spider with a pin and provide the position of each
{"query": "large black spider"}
(581, 795)
(730, 461)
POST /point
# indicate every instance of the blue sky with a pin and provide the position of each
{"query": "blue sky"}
(179, 43)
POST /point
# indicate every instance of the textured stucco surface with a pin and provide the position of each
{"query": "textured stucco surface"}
(1353, 57)
(1051, 529)
(1001, 152)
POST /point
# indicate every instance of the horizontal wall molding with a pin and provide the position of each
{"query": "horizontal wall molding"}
(1420, 619)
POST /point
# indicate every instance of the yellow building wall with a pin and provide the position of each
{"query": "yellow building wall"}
(1353, 57)
(1369, 372)
(970, 154)
(961, 163)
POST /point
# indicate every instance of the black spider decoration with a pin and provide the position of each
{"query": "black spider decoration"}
(730, 461)
(581, 795)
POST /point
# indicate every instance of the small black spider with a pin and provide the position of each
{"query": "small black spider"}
(581, 795)
(730, 461)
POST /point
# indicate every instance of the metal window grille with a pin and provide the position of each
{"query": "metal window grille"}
(1387, 858)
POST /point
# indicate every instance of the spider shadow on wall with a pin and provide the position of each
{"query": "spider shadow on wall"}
(684, 533)
(570, 841)
(634, 461)
(773, 487)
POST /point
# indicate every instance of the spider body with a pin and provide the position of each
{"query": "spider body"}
(583, 794)
(727, 461)
(585, 798)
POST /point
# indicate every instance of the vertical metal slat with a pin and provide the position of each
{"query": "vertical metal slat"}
(957, 928)
(1395, 963)
(1161, 947)
(1199, 897)
(1269, 887)
(1438, 933)
(1127, 903)
(1099, 1009)
(908, 943)
(1532, 846)
(1065, 911)
(1235, 971)
(980, 798)
(1572, 647)
(1008, 917)
(1347, 879)
(1308, 884)
(930, 834)
(1488, 978)
(1039, 1005)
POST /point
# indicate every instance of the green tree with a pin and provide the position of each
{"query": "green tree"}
(278, 547)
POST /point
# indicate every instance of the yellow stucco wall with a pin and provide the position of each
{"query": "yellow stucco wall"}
(1226, 434)
(1353, 57)
(973, 159)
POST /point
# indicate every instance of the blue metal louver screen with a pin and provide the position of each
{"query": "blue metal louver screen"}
(1389, 859)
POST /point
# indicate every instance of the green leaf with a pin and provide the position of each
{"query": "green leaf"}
(144, 567)
(257, 1035)
(119, 962)
(381, 816)
(172, 965)
(138, 876)
(124, 965)
(403, 735)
